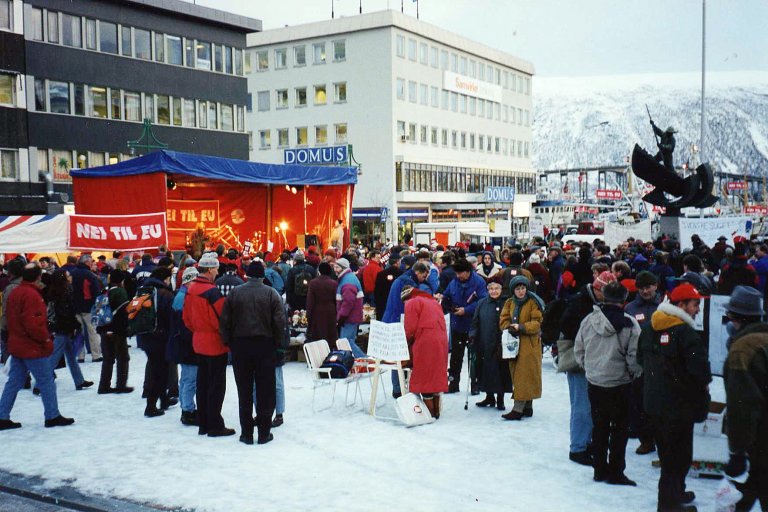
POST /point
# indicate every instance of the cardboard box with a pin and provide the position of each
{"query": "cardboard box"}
(713, 425)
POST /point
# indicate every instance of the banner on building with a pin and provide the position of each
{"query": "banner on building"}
(616, 233)
(117, 232)
(185, 215)
(710, 228)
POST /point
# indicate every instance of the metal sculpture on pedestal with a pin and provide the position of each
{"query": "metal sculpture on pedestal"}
(659, 171)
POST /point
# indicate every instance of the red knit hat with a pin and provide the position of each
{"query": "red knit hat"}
(603, 279)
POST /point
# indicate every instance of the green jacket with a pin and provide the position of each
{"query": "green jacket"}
(676, 368)
(746, 386)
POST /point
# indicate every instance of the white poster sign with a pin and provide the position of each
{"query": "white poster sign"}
(536, 227)
(471, 86)
(387, 342)
(717, 333)
(616, 233)
(710, 228)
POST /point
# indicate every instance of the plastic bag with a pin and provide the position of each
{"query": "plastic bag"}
(726, 497)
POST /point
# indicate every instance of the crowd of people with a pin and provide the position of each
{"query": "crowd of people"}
(620, 323)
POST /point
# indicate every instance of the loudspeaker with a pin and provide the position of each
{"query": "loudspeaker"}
(305, 240)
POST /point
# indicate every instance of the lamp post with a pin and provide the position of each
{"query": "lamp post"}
(152, 142)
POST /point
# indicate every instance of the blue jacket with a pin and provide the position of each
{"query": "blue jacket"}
(275, 279)
(180, 342)
(761, 267)
(433, 280)
(464, 295)
(85, 288)
(395, 306)
(642, 309)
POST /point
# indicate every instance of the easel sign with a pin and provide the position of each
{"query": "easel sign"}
(387, 342)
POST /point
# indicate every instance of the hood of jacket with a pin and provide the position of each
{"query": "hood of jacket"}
(603, 322)
(668, 316)
(156, 283)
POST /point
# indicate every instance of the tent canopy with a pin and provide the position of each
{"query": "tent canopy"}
(33, 233)
(227, 169)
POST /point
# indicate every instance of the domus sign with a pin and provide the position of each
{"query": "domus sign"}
(316, 156)
(500, 194)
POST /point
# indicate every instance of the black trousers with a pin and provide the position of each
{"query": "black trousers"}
(253, 361)
(114, 348)
(610, 430)
(458, 346)
(639, 422)
(755, 488)
(155, 377)
(211, 387)
(674, 443)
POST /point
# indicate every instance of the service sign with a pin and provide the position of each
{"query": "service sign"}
(117, 232)
(499, 194)
(316, 156)
(186, 215)
(609, 194)
(471, 87)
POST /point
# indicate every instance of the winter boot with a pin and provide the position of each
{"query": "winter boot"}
(189, 418)
(429, 401)
(528, 410)
(263, 425)
(277, 421)
(488, 402)
(500, 401)
(646, 448)
(437, 401)
(583, 458)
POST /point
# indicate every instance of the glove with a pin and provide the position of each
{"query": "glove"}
(738, 466)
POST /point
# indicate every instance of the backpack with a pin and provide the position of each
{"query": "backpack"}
(142, 311)
(301, 283)
(340, 362)
(550, 324)
(101, 312)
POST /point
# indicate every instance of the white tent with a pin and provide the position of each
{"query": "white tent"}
(33, 233)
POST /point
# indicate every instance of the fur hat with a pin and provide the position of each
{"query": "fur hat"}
(208, 260)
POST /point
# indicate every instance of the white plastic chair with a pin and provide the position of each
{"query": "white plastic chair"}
(315, 353)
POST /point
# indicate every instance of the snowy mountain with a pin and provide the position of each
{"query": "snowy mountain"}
(595, 121)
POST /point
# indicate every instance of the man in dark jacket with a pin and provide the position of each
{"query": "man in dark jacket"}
(86, 287)
(746, 382)
(144, 269)
(297, 283)
(676, 374)
(384, 280)
(737, 272)
(253, 325)
(514, 269)
(114, 341)
(29, 342)
(556, 266)
(155, 344)
(227, 281)
(447, 274)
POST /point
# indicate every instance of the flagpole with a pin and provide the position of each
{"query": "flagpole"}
(401, 7)
(332, 13)
(417, 9)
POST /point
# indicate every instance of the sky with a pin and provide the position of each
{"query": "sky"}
(570, 37)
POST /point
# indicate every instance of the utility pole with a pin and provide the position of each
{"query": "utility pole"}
(332, 13)
(703, 64)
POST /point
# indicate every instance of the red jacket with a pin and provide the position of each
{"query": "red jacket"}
(427, 336)
(370, 272)
(202, 309)
(28, 336)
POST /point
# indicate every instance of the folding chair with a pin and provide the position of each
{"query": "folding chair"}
(315, 353)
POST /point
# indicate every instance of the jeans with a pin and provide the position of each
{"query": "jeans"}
(42, 371)
(349, 331)
(188, 387)
(581, 412)
(62, 344)
(94, 340)
(279, 392)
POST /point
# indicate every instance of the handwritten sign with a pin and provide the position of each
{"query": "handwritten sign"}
(710, 228)
(387, 342)
(184, 215)
(616, 233)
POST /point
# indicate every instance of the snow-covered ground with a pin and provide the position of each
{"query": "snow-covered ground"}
(339, 458)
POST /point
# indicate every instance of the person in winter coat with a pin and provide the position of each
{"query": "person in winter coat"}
(556, 266)
(515, 269)
(746, 382)
(155, 344)
(297, 283)
(253, 326)
(676, 375)
(65, 324)
(202, 308)
(662, 270)
(642, 309)
(349, 304)
(521, 316)
(29, 342)
(606, 347)
(737, 272)
(484, 335)
(228, 279)
(488, 268)
(276, 281)
(86, 286)
(180, 351)
(427, 338)
(384, 280)
(460, 299)
(321, 306)
(369, 273)
(14, 269)
(114, 342)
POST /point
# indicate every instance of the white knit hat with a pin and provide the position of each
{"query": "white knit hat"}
(208, 260)
(189, 274)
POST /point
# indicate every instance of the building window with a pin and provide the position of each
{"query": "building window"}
(423, 134)
(401, 129)
(463, 103)
(36, 21)
(203, 57)
(228, 60)
(412, 49)
(8, 164)
(189, 118)
(433, 56)
(107, 37)
(142, 42)
(58, 97)
(526, 150)
(159, 47)
(126, 41)
(481, 71)
(318, 50)
(454, 63)
(7, 89)
(202, 114)
(444, 137)
(463, 66)
(463, 140)
(90, 34)
(444, 60)
(472, 69)
(320, 95)
(433, 136)
(71, 32)
(454, 102)
(79, 99)
(341, 132)
(189, 53)
(176, 108)
(401, 89)
(262, 60)
(282, 98)
(53, 26)
(281, 58)
(282, 138)
(412, 91)
(97, 102)
(472, 106)
(481, 143)
(174, 49)
(301, 136)
(240, 119)
(412, 132)
(263, 101)
(301, 96)
(163, 109)
(132, 106)
(454, 138)
(340, 92)
(238, 56)
(423, 94)
(5, 14)
(472, 141)
(321, 134)
(42, 160)
(265, 139)
(435, 96)
(444, 100)
(218, 58)
(95, 159)
(339, 50)
(300, 55)
(489, 73)
(400, 46)
(423, 53)
(116, 104)
(228, 117)
(213, 116)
